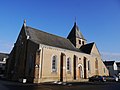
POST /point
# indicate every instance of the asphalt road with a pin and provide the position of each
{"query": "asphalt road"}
(5, 85)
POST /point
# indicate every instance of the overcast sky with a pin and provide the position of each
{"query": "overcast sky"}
(98, 20)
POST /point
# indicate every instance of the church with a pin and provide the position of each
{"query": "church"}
(38, 57)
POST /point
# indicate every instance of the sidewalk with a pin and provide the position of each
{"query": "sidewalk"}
(7, 82)
(58, 83)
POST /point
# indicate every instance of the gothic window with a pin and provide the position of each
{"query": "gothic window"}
(88, 65)
(104, 70)
(83, 43)
(68, 64)
(96, 66)
(79, 41)
(54, 63)
(96, 63)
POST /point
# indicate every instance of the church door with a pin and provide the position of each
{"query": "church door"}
(80, 72)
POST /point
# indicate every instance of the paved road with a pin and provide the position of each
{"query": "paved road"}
(5, 85)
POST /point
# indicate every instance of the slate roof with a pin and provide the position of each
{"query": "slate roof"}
(87, 48)
(109, 63)
(3, 55)
(41, 37)
(75, 32)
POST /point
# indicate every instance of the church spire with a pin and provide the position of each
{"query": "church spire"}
(76, 37)
(75, 22)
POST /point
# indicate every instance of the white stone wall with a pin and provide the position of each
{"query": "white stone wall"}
(46, 73)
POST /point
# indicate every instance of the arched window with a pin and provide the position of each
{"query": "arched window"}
(68, 64)
(83, 43)
(54, 63)
(89, 65)
(79, 41)
(96, 66)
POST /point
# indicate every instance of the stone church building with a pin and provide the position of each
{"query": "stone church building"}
(40, 57)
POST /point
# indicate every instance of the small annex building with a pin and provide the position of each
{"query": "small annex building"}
(112, 67)
(40, 57)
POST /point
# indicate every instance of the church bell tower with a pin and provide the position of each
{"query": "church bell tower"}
(76, 37)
